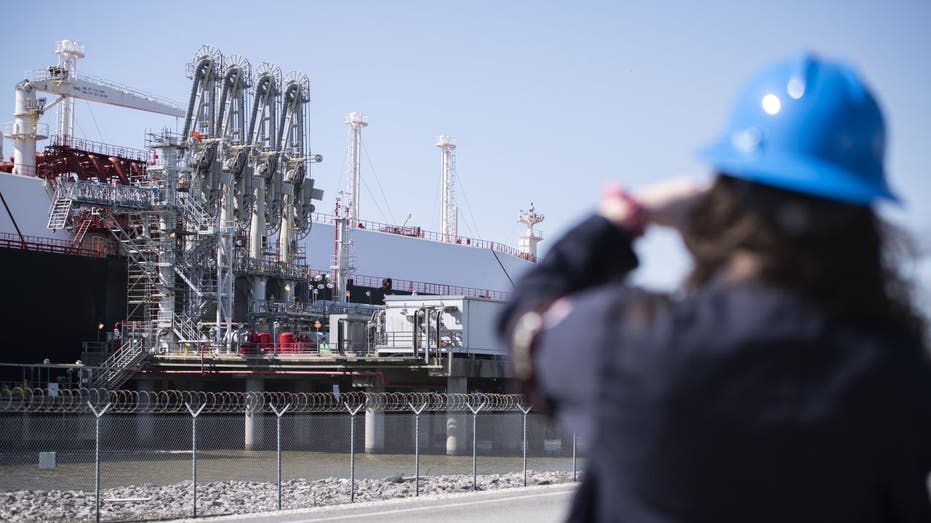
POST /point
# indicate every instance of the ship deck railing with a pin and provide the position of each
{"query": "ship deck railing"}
(418, 232)
(419, 287)
(49, 245)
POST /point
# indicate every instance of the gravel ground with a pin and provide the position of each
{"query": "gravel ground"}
(151, 503)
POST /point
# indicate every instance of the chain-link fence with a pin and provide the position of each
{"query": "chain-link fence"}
(87, 454)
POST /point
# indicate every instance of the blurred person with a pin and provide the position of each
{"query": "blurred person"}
(789, 380)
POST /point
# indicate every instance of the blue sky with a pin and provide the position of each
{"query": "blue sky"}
(547, 100)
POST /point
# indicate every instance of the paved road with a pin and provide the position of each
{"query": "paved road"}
(532, 504)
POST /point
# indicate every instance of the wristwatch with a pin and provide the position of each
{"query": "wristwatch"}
(523, 339)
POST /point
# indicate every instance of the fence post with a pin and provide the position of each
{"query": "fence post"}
(474, 438)
(194, 455)
(352, 450)
(279, 414)
(97, 415)
(525, 412)
(574, 436)
(417, 446)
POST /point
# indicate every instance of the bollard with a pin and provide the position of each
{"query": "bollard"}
(417, 446)
(97, 457)
(352, 450)
(279, 414)
(525, 412)
(194, 455)
(474, 439)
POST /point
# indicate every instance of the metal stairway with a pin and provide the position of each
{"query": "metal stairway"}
(145, 283)
(195, 267)
(197, 219)
(121, 365)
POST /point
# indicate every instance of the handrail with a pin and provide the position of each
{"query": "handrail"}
(38, 75)
(96, 192)
(106, 149)
(49, 245)
(117, 368)
(421, 287)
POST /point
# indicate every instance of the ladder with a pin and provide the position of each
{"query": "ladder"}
(58, 216)
(80, 232)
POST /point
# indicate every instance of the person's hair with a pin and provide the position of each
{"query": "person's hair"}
(834, 255)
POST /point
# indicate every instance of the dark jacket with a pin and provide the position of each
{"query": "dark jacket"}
(738, 402)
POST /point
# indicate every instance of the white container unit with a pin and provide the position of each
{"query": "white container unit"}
(462, 325)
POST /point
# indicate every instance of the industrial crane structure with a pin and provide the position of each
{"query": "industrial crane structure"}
(211, 223)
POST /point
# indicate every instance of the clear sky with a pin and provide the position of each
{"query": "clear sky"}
(547, 100)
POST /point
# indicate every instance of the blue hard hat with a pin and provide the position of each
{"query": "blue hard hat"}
(807, 125)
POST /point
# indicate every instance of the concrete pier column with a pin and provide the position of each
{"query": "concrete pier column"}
(375, 427)
(145, 423)
(457, 434)
(255, 421)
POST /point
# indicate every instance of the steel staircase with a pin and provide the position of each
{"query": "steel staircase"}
(197, 219)
(121, 365)
(145, 283)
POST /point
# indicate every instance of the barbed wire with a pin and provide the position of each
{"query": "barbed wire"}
(75, 401)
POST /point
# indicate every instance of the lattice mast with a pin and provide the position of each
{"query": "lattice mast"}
(354, 124)
(448, 213)
(527, 244)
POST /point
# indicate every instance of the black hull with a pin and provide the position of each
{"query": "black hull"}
(52, 302)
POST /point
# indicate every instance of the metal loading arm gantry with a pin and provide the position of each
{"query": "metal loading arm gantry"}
(298, 184)
(231, 125)
(295, 96)
(241, 163)
(248, 170)
(200, 130)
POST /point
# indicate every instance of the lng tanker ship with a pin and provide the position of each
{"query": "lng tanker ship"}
(210, 236)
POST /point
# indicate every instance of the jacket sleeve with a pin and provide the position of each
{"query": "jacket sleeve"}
(907, 459)
(592, 253)
(570, 335)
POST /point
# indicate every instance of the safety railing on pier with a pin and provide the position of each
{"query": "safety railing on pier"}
(418, 232)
